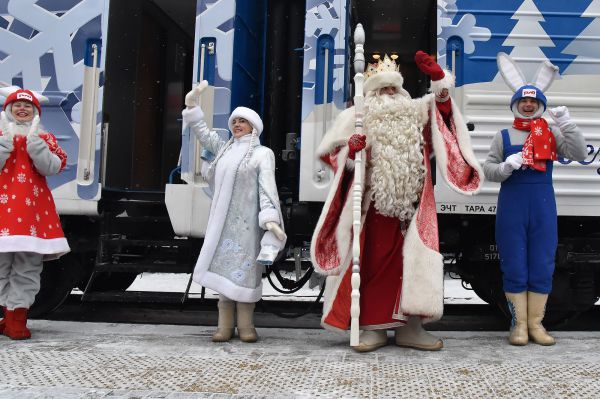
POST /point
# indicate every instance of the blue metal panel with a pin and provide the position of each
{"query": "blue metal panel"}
(247, 76)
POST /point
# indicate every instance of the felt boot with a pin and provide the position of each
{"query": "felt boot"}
(412, 335)
(517, 304)
(245, 324)
(2, 321)
(225, 324)
(371, 340)
(16, 324)
(536, 307)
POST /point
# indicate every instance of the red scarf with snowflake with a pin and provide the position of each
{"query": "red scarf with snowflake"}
(540, 145)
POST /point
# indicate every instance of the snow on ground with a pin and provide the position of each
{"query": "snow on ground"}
(454, 293)
(70, 360)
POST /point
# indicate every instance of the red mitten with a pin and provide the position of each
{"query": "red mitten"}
(356, 143)
(428, 66)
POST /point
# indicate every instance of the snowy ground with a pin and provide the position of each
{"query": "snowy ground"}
(69, 360)
(454, 293)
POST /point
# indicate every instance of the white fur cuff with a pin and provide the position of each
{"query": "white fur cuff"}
(447, 82)
(192, 115)
(268, 215)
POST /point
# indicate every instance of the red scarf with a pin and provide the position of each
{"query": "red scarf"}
(540, 145)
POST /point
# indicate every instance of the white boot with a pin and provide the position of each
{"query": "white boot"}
(412, 335)
(245, 324)
(225, 324)
(371, 340)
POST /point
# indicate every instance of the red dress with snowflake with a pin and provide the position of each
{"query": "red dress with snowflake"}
(28, 218)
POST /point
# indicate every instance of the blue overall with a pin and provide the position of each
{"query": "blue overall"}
(526, 227)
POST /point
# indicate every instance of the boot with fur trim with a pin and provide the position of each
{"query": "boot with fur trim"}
(16, 324)
(225, 324)
(536, 307)
(517, 304)
(371, 340)
(245, 323)
(412, 335)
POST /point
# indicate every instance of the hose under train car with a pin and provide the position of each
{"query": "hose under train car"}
(291, 286)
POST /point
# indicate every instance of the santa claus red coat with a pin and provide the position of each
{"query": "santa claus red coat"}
(422, 274)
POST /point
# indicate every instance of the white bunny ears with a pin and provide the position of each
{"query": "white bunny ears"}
(514, 78)
(6, 90)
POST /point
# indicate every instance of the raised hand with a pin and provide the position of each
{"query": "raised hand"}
(561, 116)
(428, 66)
(191, 99)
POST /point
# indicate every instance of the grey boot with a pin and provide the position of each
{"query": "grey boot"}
(371, 340)
(412, 335)
(245, 324)
(225, 325)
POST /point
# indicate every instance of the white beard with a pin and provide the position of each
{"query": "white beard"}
(396, 169)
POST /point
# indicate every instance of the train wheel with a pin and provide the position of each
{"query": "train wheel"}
(58, 278)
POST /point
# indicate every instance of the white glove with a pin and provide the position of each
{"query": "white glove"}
(191, 99)
(513, 162)
(4, 125)
(275, 229)
(6, 147)
(560, 116)
(192, 115)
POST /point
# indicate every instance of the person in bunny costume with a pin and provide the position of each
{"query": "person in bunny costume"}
(245, 225)
(521, 159)
(30, 229)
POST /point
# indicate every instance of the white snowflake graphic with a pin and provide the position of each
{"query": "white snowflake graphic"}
(19, 220)
(8, 210)
(36, 191)
(21, 177)
(538, 131)
(32, 231)
(37, 217)
(5, 187)
(27, 202)
(3, 199)
(4, 232)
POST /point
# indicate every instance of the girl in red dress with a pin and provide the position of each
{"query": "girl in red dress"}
(30, 229)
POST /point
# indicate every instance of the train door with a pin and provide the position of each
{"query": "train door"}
(149, 59)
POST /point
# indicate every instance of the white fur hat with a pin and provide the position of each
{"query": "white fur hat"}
(249, 115)
(385, 79)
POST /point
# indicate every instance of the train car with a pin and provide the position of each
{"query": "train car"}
(133, 199)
